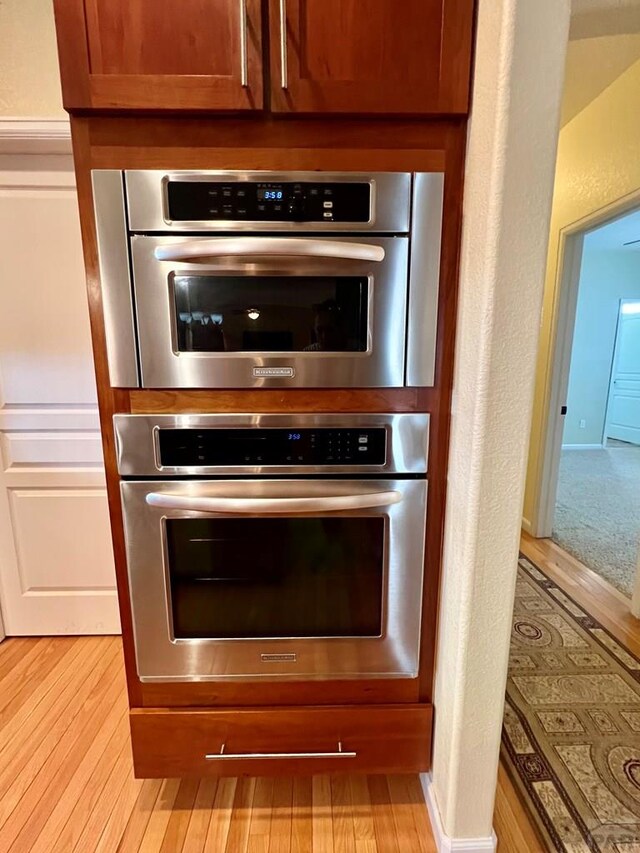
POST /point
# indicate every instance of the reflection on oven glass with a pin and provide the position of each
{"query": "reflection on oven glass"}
(233, 578)
(271, 314)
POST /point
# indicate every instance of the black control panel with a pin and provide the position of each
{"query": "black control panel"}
(201, 201)
(183, 448)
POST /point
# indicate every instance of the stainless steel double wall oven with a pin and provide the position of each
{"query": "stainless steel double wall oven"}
(261, 279)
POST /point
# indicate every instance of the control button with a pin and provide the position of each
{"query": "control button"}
(261, 208)
(277, 207)
(328, 191)
(242, 211)
(241, 193)
(363, 449)
(363, 439)
(214, 211)
(314, 191)
(327, 204)
(213, 193)
(226, 192)
(327, 214)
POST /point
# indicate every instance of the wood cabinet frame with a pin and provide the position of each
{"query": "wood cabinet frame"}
(102, 142)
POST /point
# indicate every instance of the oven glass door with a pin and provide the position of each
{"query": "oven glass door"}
(275, 311)
(275, 578)
(254, 578)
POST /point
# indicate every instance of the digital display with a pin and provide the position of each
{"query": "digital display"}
(294, 436)
(265, 194)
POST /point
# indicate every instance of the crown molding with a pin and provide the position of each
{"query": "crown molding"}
(23, 135)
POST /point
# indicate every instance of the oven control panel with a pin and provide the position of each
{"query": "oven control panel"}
(253, 201)
(183, 448)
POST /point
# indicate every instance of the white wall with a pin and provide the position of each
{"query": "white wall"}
(29, 77)
(606, 277)
(508, 189)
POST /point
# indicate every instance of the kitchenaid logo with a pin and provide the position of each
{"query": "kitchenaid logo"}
(279, 658)
(288, 372)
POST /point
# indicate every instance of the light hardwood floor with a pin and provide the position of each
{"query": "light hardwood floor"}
(66, 781)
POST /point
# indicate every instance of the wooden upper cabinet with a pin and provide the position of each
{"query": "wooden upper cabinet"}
(408, 57)
(375, 57)
(160, 54)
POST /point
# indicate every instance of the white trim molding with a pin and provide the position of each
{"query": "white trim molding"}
(445, 843)
(24, 135)
(582, 447)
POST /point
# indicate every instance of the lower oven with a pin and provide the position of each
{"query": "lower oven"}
(291, 568)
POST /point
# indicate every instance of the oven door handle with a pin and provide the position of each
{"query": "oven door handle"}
(253, 506)
(222, 247)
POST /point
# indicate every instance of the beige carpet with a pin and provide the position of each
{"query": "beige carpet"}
(597, 515)
(571, 735)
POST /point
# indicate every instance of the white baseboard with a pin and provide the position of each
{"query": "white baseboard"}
(445, 843)
(526, 525)
(582, 446)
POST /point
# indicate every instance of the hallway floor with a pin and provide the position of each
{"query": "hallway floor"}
(598, 511)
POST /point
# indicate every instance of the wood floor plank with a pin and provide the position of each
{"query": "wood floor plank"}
(221, 816)
(344, 839)
(81, 796)
(12, 651)
(322, 815)
(383, 821)
(139, 817)
(69, 770)
(160, 816)
(302, 823)
(176, 833)
(362, 812)
(15, 692)
(200, 817)
(238, 838)
(81, 835)
(49, 700)
(403, 808)
(52, 758)
(420, 815)
(281, 815)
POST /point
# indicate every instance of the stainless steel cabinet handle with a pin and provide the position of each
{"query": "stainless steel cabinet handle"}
(330, 503)
(244, 66)
(284, 77)
(235, 756)
(219, 247)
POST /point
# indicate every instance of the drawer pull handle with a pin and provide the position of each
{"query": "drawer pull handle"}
(235, 756)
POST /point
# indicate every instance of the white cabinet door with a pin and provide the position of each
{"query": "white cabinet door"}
(56, 562)
(623, 410)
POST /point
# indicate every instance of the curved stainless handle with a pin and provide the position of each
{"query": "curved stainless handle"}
(284, 75)
(244, 63)
(252, 506)
(268, 246)
(252, 756)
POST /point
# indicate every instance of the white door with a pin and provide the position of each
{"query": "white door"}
(56, 563)
(623, 409)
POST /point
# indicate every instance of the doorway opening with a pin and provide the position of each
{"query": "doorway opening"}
(594, 510)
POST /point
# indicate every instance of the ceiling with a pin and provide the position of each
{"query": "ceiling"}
(605, 41)
(615, 234)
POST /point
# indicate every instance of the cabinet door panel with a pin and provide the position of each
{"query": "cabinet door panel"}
(370, 56)
(161, 54)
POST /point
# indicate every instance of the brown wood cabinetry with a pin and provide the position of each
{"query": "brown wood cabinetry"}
(326, 56)
(160, 54)
(370, 56)
(387, 739)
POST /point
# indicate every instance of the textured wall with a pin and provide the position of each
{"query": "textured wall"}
(29, 78)
(598, 164)
(508, 188)
(606, 277)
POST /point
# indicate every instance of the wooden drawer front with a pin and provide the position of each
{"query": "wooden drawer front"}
(386, 739)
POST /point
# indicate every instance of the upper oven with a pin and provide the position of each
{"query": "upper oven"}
(259, 279)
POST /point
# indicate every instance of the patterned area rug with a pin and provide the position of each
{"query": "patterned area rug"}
(571, 735)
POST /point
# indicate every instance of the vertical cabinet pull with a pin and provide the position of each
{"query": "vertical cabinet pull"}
(284, 79)
(244, 62)
(237, 756)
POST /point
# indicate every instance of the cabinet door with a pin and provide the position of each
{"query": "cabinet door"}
(160, 54)
(371, 56)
